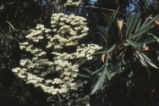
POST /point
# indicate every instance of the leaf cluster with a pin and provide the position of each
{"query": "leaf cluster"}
(123, 49)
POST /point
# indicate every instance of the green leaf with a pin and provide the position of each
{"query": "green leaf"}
(135, 44)
(141, 58)
(150, 22)
(149, 61)
(146, 21)
(114, 15)
(134, 23)
(111, 48)
(2, 6)
(112, 71)
(155, 37)
(138, 25)
(141, 32)
(103, 37)
(98, 70)
(145, 60)
(100, 81)
(83, 75)
(101, 28)
(130, 24)
(81, 83)
(149, 41)
(11, 25)
(87, 70)
(144, 28)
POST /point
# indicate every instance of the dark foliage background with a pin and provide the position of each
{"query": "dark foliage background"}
(17, 16)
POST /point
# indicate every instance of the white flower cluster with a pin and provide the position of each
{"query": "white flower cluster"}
(50, 57)
(73, 3)
(68, 30)
(83, 51)
(70, 2)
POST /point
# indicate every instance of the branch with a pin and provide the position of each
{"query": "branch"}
(98, 8)
(104, 9)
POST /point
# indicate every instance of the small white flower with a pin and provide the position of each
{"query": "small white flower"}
(23, 62)
(63, 90)
(15, 70)
(32, 81)
(73, 86)
(57, 81)
(22, 47)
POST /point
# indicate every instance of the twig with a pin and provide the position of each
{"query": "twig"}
(99, 8)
